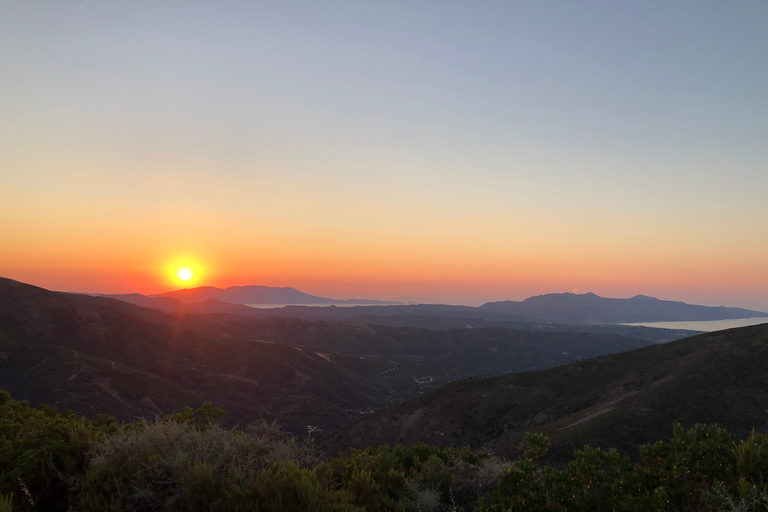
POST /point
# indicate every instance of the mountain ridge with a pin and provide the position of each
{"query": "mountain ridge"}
(591, 308)
(91, 354)
(563, 308)
(257, 294)
(614, 401)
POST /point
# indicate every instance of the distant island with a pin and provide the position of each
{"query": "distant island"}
(589, 308)
(255, 294)
(562, 308)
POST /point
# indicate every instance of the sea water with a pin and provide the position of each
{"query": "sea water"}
(706, 325)
(338, 305)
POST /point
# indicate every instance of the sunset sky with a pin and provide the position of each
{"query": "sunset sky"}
(435, 151)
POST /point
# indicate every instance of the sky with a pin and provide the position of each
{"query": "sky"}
(436, 151)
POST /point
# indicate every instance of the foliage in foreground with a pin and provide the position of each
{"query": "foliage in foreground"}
(43, 453)
(699, 469)
(59, 462)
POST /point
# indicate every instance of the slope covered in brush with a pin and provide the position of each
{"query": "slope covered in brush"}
(619, 400)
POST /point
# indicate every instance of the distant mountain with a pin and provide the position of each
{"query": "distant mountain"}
(96, 354)
(559, 308)
(426, 316)
(589, 308)
(615, 401)
(434, 317)
(256, 295)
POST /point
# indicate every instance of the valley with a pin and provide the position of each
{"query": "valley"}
(100, 355)
(614, 401)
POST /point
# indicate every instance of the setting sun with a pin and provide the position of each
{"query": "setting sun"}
(184, 271)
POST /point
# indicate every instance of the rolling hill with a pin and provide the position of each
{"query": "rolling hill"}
(96, 354)
(560, 308)
(433, 317)
(619, 400)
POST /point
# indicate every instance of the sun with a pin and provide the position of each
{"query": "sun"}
(183, 272)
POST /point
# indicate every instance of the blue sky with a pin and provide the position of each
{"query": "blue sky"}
(618, 147)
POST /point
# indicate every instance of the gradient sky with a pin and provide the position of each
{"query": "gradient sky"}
(441, 151)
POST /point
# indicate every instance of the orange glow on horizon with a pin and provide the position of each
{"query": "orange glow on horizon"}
(476, 267)
(121, 179)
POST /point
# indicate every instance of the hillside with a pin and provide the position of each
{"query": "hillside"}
(564, 308)
(433, 317)
(619, 400)
(95, 354)
(176, 306)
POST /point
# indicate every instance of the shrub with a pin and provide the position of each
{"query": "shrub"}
(164, 464)
(43, 453)
(187, 462)
(286, 486)
(419, 477)
(6, 502)
(699, 469)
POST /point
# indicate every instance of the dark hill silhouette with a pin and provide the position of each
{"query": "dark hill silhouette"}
(255, 294)
(426, 316)
(176, 306)
(553, 308)
(554, 312)
(586, 308)
(96, 354)
(619, 400)
(589, 308)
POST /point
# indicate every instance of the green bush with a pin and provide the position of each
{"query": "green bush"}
(699, 469)
(286, 486)
(418, 477)
(43, 453)
(51, 461)
(167, 463)
(6, 502)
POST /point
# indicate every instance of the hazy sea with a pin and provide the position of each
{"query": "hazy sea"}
(707, 326)
(338, 305)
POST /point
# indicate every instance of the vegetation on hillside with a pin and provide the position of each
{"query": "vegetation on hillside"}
(618, 401)
(93, 354)
(56, 461)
